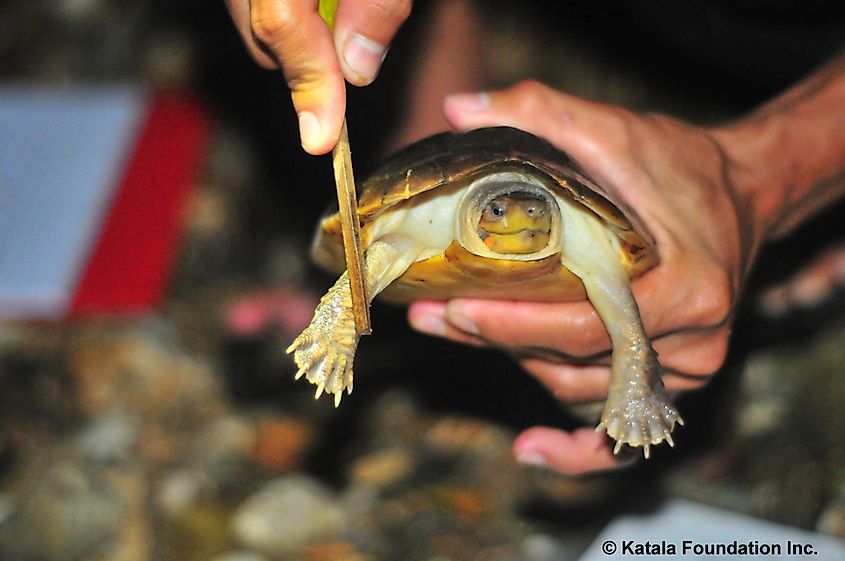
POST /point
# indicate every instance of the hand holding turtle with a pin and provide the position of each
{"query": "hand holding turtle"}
(292, 35)
(709, 197)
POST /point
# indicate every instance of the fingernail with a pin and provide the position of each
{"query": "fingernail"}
(364, 58)
(430, 324)
(458, 317)
(309, 130)
(534, 459)
(470, 102)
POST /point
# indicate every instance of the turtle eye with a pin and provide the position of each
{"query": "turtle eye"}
(498, 209)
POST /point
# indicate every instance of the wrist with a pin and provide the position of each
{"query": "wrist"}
(787, 159)
(756, 170)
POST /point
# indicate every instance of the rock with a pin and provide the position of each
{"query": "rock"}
(542, 547)
(166, 384)
(223, 446)
(359, 502)
(787, 451)
(461, 435)
(383, 468)
(181, 489)
(333, 551)
(6, 508)
(281, 444)
(110, 437)
(832, 519)
(394, 418)
(139, 371)
(199, 532)
(287, 514)
(239, 556)
(66, 512)
(464, 503)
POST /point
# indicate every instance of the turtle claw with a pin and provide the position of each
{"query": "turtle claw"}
(643, 421)
(325, 350)
(617, 448)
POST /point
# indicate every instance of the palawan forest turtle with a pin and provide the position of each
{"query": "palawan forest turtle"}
(495, 213)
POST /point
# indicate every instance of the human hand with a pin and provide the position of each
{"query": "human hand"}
(674, 175)
(291, 34)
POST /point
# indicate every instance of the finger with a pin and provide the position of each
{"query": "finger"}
(693, 356)
(429, 317)
(524, 102)
(576, 384)
(596, 135)
(570, 383)
(584, 128)
(581, 451)
(297, 37)
(573, 328)
(363, 32)
(239, 11)
(439, 319)
(688, 360)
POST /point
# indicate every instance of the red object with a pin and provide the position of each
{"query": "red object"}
(130, 262)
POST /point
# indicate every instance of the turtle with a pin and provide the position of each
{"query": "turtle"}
(495, 213)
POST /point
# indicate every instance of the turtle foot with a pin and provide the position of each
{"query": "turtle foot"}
(325, 351)
(644, 421)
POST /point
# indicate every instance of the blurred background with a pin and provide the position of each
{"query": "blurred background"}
(163, 423)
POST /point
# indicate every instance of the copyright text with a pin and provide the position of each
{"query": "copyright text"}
(734, 548)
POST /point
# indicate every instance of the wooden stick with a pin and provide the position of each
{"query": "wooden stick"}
(347, 201)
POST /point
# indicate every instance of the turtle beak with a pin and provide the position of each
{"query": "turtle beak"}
(526, 216)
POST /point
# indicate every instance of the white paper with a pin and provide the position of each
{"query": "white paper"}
(62, 155)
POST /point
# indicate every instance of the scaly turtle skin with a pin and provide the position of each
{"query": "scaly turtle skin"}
(495, 213)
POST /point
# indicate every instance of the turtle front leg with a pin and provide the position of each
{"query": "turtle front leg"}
(637, 411)
(325, 351)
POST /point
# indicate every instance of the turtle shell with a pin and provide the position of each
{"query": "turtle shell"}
(447, 158)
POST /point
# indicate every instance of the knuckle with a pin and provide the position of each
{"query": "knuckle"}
(307, 85)
(697, 360)
(530, 90)
(527, 97)
(393, 11)
(270, 28)
(563, 381)
(713, 303)
(567, 388)
(714, 356)
(529, 87)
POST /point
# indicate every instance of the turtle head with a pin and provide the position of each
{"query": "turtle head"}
(515, 223)
(509, 214)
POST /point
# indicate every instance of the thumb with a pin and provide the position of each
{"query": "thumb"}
(583, 128)
(581, 451)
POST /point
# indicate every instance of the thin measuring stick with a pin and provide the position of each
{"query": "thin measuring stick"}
(350, 226)
(347, 202)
